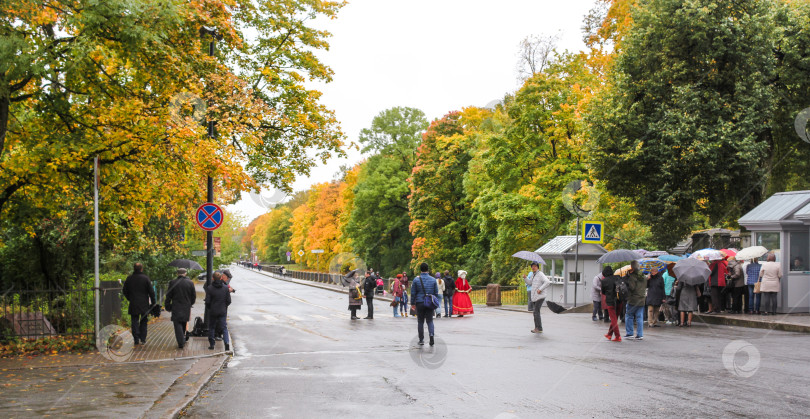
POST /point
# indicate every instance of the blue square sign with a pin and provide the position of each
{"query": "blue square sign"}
(593, 232)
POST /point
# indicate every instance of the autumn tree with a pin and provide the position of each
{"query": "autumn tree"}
(80, 79)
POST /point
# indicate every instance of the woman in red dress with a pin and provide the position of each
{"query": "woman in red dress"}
(461, 298)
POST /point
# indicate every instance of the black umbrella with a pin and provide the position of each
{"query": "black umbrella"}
(618, 255)
(555, 307)
(530, 256)
(692, 271)
(186, 263)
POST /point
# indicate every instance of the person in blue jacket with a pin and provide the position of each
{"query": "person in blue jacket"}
(421, 286)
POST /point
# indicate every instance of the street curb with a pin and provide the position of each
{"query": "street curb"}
(191, 393)
(754, 324)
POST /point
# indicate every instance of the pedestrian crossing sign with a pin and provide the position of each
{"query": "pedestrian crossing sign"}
(593, 232)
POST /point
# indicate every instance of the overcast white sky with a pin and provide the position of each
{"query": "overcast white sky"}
(435, 55)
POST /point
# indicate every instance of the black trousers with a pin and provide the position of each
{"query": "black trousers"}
(737, 298)
(370, 303)
(717, 298)
(180, 332)
(139, 323)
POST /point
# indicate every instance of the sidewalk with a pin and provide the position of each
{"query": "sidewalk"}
(152, 380)
(795, 322)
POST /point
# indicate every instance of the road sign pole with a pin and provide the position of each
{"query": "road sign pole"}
(209, 238)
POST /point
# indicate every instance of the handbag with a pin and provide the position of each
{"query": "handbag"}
(756, 287)
(394, 303)
(431, 301)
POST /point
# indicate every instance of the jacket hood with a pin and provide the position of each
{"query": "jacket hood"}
(218, 283)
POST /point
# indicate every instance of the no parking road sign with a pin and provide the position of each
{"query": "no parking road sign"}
(593, 232)
(209, 216)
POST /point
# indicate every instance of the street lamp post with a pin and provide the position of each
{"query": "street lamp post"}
(209, 236)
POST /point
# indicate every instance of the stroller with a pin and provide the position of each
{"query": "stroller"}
(380, 290)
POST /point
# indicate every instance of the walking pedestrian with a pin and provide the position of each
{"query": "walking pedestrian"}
(423, 285)
(217, 299)
(770, 276)
(141, 296)
(449, 290)
(635, 303)
(396, 291)
(369, 284)
(737, 278)
(462, 304)
(608, 290)
(440, 287)
(180, 297)
(752, 274)
(596, 297)
(655, 296)
(539, 282)
(355, 297)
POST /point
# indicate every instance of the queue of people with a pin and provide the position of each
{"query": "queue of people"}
(733, 287)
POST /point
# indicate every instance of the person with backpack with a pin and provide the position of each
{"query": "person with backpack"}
(403, 308)
(637, 287)
(449, 290)
(423, 286)
(180, 297)
(217, 300)
(608, 290)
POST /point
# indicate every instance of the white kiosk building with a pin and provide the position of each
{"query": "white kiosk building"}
(559, 254)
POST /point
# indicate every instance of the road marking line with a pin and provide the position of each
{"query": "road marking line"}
(294, 317)
(246, 318)
(339, 316)
(271, 318)
(318, 316)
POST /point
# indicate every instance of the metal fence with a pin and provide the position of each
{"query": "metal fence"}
(510, 295)
(37, 313)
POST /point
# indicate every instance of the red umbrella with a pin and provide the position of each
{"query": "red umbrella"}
(728, 252)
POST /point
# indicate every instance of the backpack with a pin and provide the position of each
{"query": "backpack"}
(199, 327)
(622, 291)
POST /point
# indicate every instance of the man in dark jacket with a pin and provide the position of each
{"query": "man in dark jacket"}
(179, 299)
(369, 284)
(421, 286)
(449, 290)
(637, 286)
(141, 296)
(655, 296)
(217, 300)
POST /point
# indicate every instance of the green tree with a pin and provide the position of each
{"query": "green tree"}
(379, 219)
(684, 127)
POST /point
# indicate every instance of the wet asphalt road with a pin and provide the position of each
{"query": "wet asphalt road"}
(298, 355)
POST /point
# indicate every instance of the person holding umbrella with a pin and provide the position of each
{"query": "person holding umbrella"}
(539, 283)
(180, 297)
(608, 290)
(690, 273)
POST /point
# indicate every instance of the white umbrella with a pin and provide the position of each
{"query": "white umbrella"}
(708, 254)
(752, 252)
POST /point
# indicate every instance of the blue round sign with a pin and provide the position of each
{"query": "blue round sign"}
(209, 216)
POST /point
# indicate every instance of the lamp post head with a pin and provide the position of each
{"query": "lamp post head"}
(208, 30)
